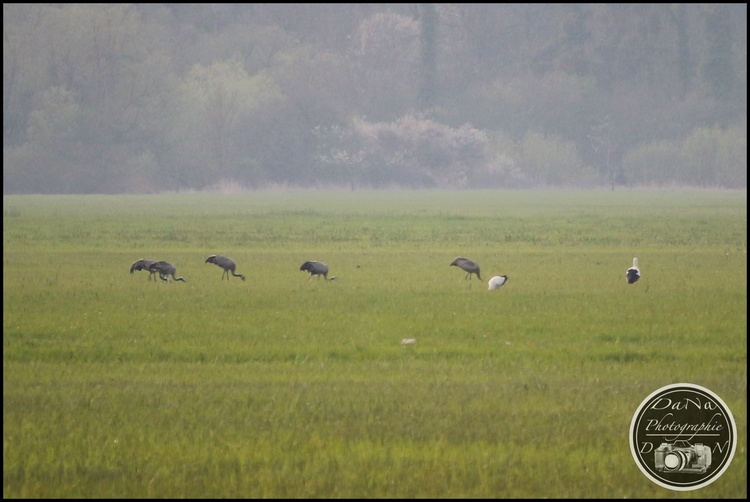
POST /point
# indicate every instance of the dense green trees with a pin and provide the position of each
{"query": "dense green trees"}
(112, 98)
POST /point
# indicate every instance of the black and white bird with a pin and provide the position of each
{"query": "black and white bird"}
(633, 273)
(143, 264)
(227, 264)
(497, 281)
(316, 268)
(165, 269)
(467, 266)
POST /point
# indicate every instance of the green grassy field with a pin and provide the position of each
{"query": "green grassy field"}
(280, 386)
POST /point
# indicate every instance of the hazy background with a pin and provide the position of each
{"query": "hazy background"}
(136, 98)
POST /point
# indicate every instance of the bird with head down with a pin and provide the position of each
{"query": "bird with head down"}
(467, 266)
(316, 268)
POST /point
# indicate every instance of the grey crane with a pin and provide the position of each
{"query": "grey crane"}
(633, 273)
(467, 266)
(165, 269)
(316, 268)
(227, 264)
(143, 264)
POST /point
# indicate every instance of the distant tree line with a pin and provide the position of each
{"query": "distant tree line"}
(145, 98)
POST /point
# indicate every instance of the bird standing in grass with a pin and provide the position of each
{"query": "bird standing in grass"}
(227, 264)
(467, 266)
(633, 273)
(165, 269)
(316, 268)
(497, 281)
(143, 265)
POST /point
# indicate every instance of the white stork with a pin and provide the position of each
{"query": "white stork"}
(497, 281)
(633, 273)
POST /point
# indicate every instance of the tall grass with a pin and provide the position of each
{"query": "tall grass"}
(282, 386)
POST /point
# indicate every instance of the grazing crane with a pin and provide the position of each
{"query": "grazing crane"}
(467, 266)
(227, 264)
(165, 269)
(317, 268)
(144, 265)
(633, 273)
(497, 281)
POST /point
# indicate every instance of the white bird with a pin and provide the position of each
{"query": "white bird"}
(633, 273)
(497, 281)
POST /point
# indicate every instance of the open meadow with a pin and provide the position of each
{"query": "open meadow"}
(287, 387)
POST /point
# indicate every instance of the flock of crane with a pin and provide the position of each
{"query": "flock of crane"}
(317, 268)
(167, 270)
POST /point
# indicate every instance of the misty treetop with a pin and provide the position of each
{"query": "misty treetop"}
(146, 98)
